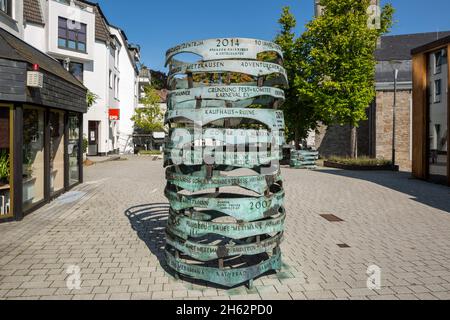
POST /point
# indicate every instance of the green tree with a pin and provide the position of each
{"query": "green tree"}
(91, 98)
(337, 64)
(149, 118)
(299, 109)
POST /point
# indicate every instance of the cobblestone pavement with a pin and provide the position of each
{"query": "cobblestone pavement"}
(398, 224)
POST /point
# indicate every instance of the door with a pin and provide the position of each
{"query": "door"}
(93, 138)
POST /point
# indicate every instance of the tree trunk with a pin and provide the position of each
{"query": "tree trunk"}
(354, 143)
(297, 139)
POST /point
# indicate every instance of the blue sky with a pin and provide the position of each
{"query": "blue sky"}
(157, 25)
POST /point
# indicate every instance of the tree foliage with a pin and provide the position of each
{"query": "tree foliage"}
(91, 98)
(149, 118)
(338, 61)
(299, 111)
(331, 66)
(158, 79)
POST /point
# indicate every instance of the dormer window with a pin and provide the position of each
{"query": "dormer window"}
(6, 7)
(71, 35)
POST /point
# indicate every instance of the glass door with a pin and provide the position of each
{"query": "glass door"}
(33, 157)
(74, 148)
(56, 120)
(6, 163)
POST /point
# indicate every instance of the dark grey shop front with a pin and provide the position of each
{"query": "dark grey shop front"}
(40, 129)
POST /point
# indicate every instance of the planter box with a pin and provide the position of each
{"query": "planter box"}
(330, 164)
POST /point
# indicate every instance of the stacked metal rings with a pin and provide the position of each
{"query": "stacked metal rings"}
(222, 158)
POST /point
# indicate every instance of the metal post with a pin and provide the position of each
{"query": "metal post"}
(394, 118)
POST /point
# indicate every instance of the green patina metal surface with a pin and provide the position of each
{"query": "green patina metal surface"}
(226, 277)
(216, 130)
(303, 159)
(205, 252)
(184, 227)
(245, 209)
(184, 83)
(273, 119)
(197, 181)
(209, 155)
(183, 137)
(220, 96)
(221, 48)
(252, 68)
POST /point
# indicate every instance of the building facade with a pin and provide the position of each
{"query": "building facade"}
(41, 112)
(431, 111)
(375, 135)
(127, 89)
(78, 34)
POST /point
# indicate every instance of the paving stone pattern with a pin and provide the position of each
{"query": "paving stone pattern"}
(112, 228)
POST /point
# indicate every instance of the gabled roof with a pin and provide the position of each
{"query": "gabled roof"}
(101, 27)
(432, 45)
(398, 47)
(32, 12)
(13, 48)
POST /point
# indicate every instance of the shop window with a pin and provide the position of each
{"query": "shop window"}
(5, 163)
(56, 151)
(74, 148)
(33, 157)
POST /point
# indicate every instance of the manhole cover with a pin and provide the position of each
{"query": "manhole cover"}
(331, 218)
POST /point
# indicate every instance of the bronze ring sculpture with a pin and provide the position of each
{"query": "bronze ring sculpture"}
(225, 225)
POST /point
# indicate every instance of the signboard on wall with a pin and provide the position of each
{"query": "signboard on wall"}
(114, 114)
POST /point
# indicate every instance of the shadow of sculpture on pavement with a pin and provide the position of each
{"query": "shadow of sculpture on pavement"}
(150, 221)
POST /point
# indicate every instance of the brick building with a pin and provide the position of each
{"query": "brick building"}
(375, 134)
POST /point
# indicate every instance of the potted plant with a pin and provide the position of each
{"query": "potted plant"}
(27, 163)
(4, 167)
(85, 147)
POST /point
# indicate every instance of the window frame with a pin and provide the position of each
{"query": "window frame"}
(9, 8)
(71, 63)
(116, 89)
(438, 57)
(111, 79)
(77, 33)
(437, 93)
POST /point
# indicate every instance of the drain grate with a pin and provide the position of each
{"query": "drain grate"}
(343, 246)
(331, 218)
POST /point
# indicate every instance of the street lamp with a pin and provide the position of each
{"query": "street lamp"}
(394, 64)
(394, 116)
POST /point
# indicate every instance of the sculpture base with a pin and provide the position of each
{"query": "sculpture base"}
(227, 277)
